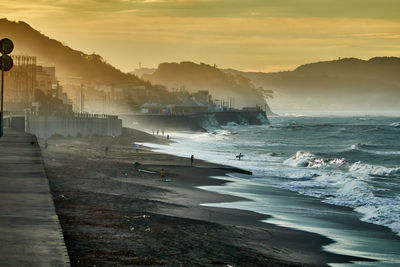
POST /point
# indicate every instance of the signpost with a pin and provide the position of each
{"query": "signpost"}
(6, 63)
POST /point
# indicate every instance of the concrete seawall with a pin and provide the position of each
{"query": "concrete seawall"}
(46, 126)
(30, 232)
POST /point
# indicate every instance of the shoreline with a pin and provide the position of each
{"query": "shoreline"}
(86, 182)
(352, 235)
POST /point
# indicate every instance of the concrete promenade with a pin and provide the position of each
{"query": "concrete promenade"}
(30, 232)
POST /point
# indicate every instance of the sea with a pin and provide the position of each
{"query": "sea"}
(337, 176)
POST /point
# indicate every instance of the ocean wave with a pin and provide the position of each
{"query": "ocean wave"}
(231, 124)
(374, 170)
(333, 180)
(223, 133)
(339, 188)
(386, 214)
(301, 159)
(369, 149)
(307, 159)
(350, 187)
(395, 124)
(359, 195)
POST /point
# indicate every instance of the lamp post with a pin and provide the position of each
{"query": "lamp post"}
(6, 63)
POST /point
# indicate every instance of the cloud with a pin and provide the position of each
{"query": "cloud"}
(252, 34)
(228, 8)
(29, 10)
(378, 35)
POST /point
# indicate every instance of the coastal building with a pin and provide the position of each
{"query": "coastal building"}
(20, 83)
(202, 96)
(72, 86)
(190, 106)
(45, 79)
(154, 108)
(58, 93)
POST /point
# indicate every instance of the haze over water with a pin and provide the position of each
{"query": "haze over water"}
(349, 162)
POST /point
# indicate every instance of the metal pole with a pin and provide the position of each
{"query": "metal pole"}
(81, 98)
(2, 102)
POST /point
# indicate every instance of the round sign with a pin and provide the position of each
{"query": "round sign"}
(6, 63)
(6, 46)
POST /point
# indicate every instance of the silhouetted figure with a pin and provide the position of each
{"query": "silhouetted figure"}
(167, 136)
(158, 131)
(106, 150)
(191, 160)
(162, 132)
(136, 166)
(239, 156)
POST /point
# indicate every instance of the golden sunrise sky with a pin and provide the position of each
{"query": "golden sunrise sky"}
(251, 35)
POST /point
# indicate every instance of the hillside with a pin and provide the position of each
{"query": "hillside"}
(194, 77)
(69, 62)
(349, 83)
(93, 69)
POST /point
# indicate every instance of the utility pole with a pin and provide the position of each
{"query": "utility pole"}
(6, 47)
(81, 98)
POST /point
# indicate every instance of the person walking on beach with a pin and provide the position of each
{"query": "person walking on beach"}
(137, 148)
(191, 160)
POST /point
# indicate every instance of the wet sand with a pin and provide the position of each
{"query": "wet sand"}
(115, 214)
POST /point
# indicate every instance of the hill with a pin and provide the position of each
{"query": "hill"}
(93, 69)
(349, 83)
(221, 85)
(69, 62)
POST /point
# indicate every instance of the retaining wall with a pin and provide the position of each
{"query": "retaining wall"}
(46, 126)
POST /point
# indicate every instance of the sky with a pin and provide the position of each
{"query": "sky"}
(249, 35)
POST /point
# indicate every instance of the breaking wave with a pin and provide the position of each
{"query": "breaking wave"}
(367, 169)
(306, 159)
(349, 186)
(367, 149)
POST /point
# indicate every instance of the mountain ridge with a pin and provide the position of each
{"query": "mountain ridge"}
(347, 83)
(193, 77)
(91, 67)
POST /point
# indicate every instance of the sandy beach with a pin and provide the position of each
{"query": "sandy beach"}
(115, 214)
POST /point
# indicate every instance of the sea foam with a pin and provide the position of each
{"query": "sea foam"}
(368, 169)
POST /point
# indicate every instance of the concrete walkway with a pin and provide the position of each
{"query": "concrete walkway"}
(30, 233)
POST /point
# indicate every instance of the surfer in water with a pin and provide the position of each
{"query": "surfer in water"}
(240, 155)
